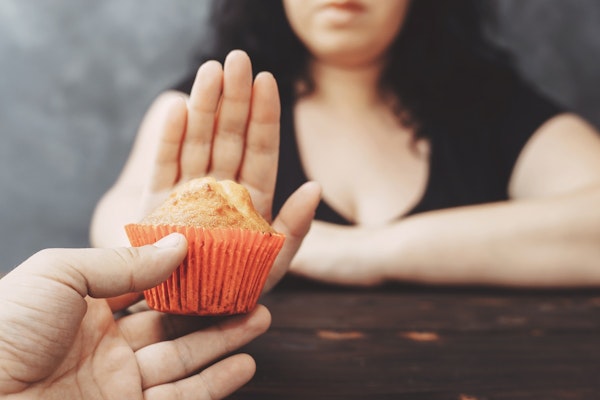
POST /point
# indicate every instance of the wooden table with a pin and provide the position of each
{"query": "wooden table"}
(409, 342)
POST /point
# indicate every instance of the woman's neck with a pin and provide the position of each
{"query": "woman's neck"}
(352, 87)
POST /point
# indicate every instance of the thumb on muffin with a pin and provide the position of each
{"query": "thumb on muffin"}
(108, 272)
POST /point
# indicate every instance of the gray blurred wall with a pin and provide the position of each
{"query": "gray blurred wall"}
(77, 75)
(75, 79)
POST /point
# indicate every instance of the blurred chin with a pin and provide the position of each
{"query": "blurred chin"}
(347, 54)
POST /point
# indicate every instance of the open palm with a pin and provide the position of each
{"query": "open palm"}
(228, 128)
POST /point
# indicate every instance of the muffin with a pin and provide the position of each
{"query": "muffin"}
(231, 249)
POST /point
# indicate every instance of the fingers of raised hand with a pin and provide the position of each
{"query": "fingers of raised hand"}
(259, 169)
(203, 106)
(170, 122)
(233, 128)
(232, 119)
(166, 362)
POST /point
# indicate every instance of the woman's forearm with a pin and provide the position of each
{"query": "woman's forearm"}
(545, 243)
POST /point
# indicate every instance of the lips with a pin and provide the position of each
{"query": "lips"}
(339, 14)
(346, 5)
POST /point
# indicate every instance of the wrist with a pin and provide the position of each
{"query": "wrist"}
(398, 251)
(336, 254)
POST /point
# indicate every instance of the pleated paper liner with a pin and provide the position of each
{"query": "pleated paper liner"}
(223, 273)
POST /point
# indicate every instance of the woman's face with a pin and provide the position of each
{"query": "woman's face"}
(346, 32)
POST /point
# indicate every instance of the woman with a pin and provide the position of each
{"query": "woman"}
(437, 163)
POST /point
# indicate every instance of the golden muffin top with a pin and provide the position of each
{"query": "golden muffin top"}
(208, 203)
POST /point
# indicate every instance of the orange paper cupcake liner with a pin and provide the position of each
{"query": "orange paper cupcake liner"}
(223, 273)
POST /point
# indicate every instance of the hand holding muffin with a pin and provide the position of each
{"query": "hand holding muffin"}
(227, 128)
(60, 340)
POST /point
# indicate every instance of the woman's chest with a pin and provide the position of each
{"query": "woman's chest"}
(369, 166)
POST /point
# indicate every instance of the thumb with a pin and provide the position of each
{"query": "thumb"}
(106, 273)
(294, 221)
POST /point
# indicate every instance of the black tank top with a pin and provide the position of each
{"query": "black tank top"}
(472, 167)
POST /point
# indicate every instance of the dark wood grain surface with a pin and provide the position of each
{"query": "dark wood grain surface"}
(409, 342)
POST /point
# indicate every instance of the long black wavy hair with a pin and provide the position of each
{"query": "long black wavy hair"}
(442, 68)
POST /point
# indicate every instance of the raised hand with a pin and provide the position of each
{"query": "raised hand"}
(227, 128)
(231, 132)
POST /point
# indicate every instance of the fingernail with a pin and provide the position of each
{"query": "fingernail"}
(170, 241)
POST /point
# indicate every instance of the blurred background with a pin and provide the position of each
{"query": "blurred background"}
(77, 75)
